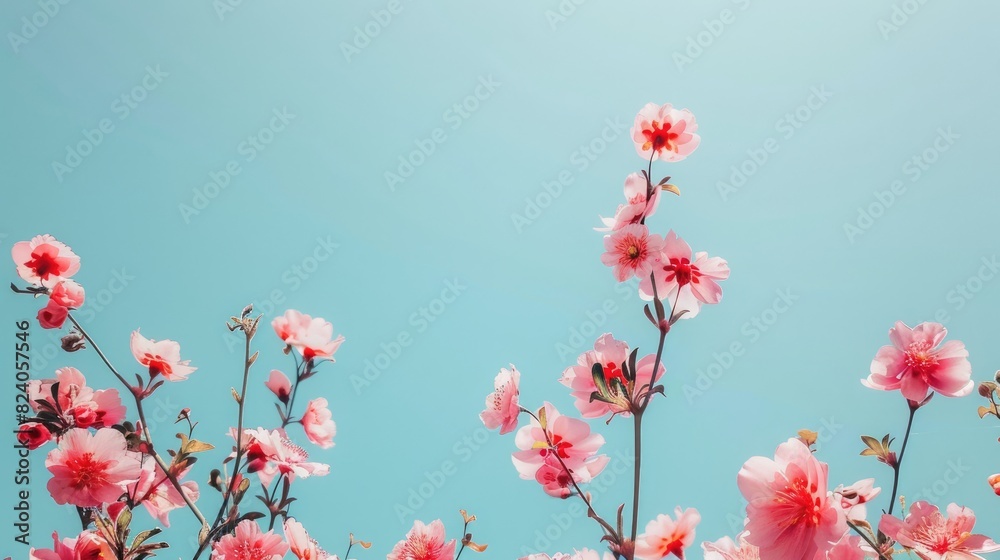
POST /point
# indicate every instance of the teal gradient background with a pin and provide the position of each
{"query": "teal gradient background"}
(525, 288)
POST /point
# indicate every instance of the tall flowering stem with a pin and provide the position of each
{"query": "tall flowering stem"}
(902, 450)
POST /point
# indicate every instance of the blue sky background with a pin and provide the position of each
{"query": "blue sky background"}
(807, 222)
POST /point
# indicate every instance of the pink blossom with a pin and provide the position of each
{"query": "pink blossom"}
(632, 251)
(52, 316)
(158, 495)
(68, 293)
(43, 261)
(852, 499)
(33, 435)
(502, 407)
(248, 542)
(663, 132)
(162, 357)
(80, 406)
(318, 424)
(611, 354)
(665, 536)
(86, 546)
(726, 549)
(90, 470)
(934, 536)
(271, 453)
(849, 548)
(690, 281)
(994, 482)
(301, 544)
(790, 514)
(572, 441)
(638, 206)
(917, 363)
(279, 384)
(424, 542)
(313, 338)
(582, 554)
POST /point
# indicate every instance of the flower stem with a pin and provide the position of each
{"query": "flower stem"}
(899, 462)
(867, 539)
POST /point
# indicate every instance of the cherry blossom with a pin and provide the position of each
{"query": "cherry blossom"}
(161, 357)
(90, 470)
(663, 132)
(248, 542)
(934, 536)
(424, 542)
(917, 363)
(43, 261)
(665, 535)
(502, 407)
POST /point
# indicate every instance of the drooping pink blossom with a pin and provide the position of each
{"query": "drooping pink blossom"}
(318, 424)
(158, 495)
(271, 453)
(68, 293)
(571, 441)
(312, 337)
(86, 546)
(33, 435)
(424, 542)
(852, 499)
(80, 406)
(43, 261)
(663, 132)
(631, 251)
(934, 536)
(611, 354)
(790, 513)
(917, 363)
(91, 470)
(689, 280)
(52, 316)
(727, 549)
(248, 542)
(665, 535)
(638, 206)
(502, 406)
(161, 357)
(279, 384)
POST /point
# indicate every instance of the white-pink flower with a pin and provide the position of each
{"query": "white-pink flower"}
(301, 544)
(612, 354)
(68, 293)
(571, 441)
(161, 357)
(727, 549)
(631, 251)
(665, 535)
(852, 499)
(663, 132)
(80, 406)
(639, 205)
(424, 542)
(91, 470)
(689, 280)
(248, 542)
(502, 407)
(158, 495)
(43, 261)
(934, 536)
(313, 338)
(917, 363)
(270, 453)
(318, 424)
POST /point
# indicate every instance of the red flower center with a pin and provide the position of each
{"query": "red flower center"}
(45, 262)
(800, 504)
(660, 137)
(682, 270)
(561, 447)
(157, 365)
(920, 358)
(86, 471)
(612, 371)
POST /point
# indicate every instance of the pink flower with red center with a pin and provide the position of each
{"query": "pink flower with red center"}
(502, 407)
(934, 536)
(79, 405)
(852, 499)
(612, 354)
(271, 453)
(689, 280)
(52, 316)
(556, 482)
(158, 495)
(313, 338)
(91, 470)
(665, 535)
(86, 546)
(917, 363)
(727, 549)
(33, 435)
(301, 544)
(632, 251)
(68, 293)
(790, 512)
(424, 542)
(162, 357)
(571, 441)
(248, 542)
(318, 424)
(639, 205)
(279, 384)
(43, 261)
(663, 132)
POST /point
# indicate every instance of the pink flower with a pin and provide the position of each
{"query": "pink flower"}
(849, 548)
(690, 282)
(611, 354)
(726, 549)
(52, 316)
(158, 495)
(638, 207)
(571, 440)
(994, 482)
(272, 453)
(424, 542)
(86, 546)
(43, 261)
(632, 251)
(90, 470)
(68, 293)
(915, 364)
(313, 338)
(665, 536)
(790, 514)
(279, 384)
(936, 537)
(852, 499)
(301, 544)
(248, 542)
(79, 405)
(33, 435)
(662, 132)
(161, 357)
(502, 407)
(317, 423)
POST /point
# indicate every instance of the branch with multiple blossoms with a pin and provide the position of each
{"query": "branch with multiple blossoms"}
(792, 513)
(106, 466)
